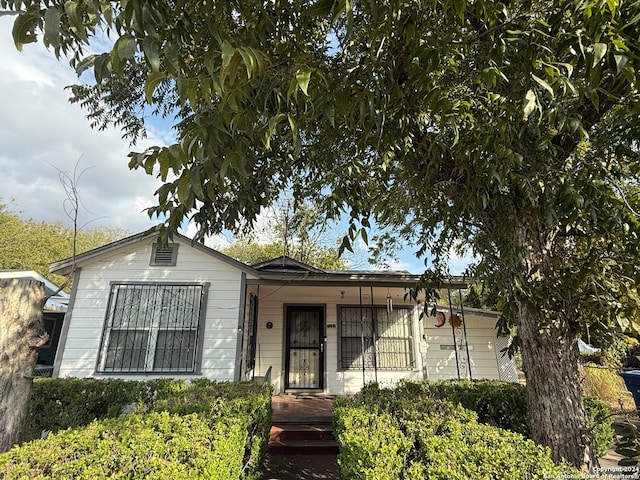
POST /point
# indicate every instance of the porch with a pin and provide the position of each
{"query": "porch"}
(334, 339)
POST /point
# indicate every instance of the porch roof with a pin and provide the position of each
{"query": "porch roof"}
(351, 277)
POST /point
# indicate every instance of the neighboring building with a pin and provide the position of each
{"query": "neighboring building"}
(53, 316)
(140, 311)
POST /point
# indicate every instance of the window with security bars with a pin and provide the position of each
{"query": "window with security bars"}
(378, 337)
(151, 328)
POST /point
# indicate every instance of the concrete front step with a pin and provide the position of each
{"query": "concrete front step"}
(302, 439)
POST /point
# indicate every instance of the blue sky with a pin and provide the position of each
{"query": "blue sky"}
(43, 133)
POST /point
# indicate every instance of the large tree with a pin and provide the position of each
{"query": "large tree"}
(509, 127)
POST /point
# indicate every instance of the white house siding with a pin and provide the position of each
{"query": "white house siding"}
(131, 264)
(484, 357)
(270, 342)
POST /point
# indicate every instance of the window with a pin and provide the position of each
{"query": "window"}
(380, 338)
(164, 256)
(152, 328)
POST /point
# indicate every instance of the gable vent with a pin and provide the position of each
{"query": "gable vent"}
(164, 255)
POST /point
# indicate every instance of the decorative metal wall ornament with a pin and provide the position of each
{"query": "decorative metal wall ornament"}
(440, 319)
(460, 338)
(455, 320)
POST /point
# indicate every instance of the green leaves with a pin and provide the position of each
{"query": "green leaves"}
(443, 121)
(123, 50)
(303, 76)
(599, 51)
(24, 28)
(52, 27)
(544, 85)
(233, 57)
(153, 80)
(151, 50)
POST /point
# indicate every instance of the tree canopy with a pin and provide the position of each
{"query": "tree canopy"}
(26, 244)
(507, 127)
(293, 232)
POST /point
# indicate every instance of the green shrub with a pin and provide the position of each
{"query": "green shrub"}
(372, 445)
(137, 446)
(236, 415)
(426, 436)
(224, 400)
(61, 403)
(503, 404)
(478, 451)
(599, 416)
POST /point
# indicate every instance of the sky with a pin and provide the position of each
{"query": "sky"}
(41, 133)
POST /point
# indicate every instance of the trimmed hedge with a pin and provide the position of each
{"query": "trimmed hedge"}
(221, 401)
(423, 430)
(136, 446)
(501, 404)
(61, 403)
(504, 405)
(199, 430)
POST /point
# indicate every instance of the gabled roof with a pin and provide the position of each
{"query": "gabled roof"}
(275, 272)
(64, 266)
(285, 264)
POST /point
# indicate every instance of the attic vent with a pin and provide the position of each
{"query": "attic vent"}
(165, 256)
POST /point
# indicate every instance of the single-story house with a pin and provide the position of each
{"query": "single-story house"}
(53, 311)
(138, 310)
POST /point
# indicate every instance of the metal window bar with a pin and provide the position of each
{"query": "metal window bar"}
(393, 340)
(179, 305)
(151, 328)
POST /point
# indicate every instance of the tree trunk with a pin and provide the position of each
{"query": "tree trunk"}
(554, 374)
(21, 333)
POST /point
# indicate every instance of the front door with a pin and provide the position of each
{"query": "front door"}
(304, 364)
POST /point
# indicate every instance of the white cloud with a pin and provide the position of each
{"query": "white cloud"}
(459, 261)
(217, 242)
(41, 132)
(399, 265)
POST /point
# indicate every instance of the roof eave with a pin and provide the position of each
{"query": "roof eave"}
(64, 267)
(351, 278)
